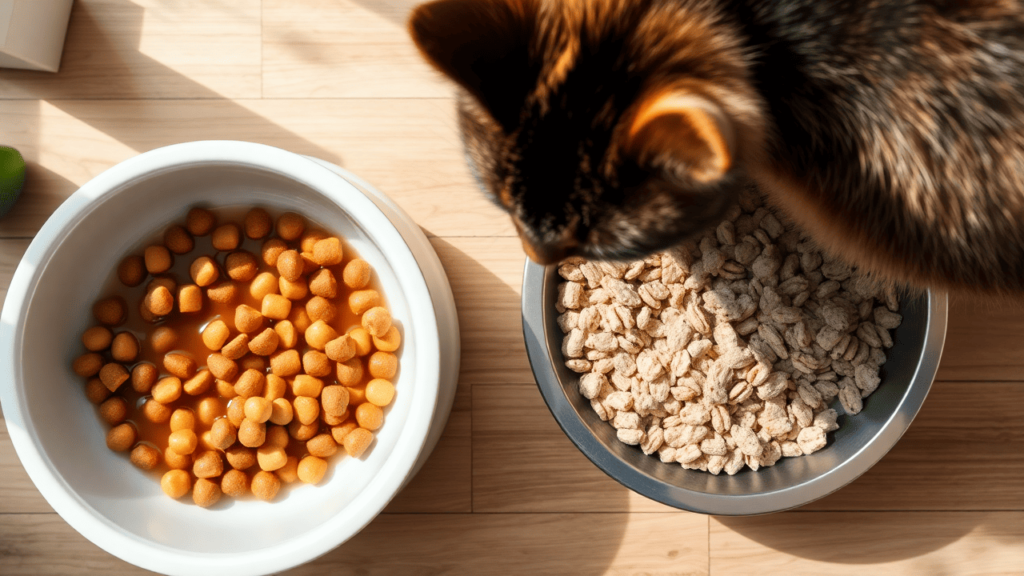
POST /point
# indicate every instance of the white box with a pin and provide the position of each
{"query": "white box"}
(32, 33)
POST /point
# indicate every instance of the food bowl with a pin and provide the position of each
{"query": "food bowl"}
(859, 443)
(59, 437)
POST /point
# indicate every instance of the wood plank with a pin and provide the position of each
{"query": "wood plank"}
(522, 462)
(44, 544)
(964, 451)
(17, 493)
(152, 49)
(407, 148)
(858, 543)
(984, 340)
(351, 48)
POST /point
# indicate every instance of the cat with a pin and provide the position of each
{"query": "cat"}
(892, 131)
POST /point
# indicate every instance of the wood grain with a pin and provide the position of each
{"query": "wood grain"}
(983, 340)
(858, 543)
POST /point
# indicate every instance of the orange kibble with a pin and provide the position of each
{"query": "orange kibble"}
(312, 469)
(177, 461)
(264, 343)
(308, 264)
(276, 307)
(190, 298)
(199, 221)
(310, 238)
(114, 410)
(275, 387)
(362, 340)
(302, 432)
(289, 265)
(215, 335)
(340, 431)
(180, 365)
(290, 226)
(251, 434)
(110, 311)
(132, 271)
(322, 283)
(176, 483)
(322, 445)
(247, 318)
(389, 342)
(206, 492)
(296, 290)
(236, 411)
(122, 437)
(183, 419)
(290, 471)
(379, 392)
(183, 441)
(163, 339)
(234, 483)
(167, 390)
(271, 458)
(241, 266)
(319, 334)
(209, 410)
(223, 433)
(341, 348)
(265, 485)
(356, 274)
(250, 383)
(281, 411)
(87, 365)
(272, 248)
(236, 348)
(113, 375)
(357, 441)
(165, 281)
(299, 319)
(334, 400)
(156, 412)
(159, 301)
(144, 376)
(257, 223)
(221, 366)
(145, 457)
(264, 283)
(253, 362)
(198, 384)
(319, 308)
(206, 441)
(258, 409)
(158, 259)
(369, 416)
(288, 336)
(316, 364)
(382, 365)
(204, 271)
(223, 292)
(333, 420)
(240, 457)
(208, 465)
(350, 372)
(95, 391)
(285, 363)
(306, 409)
(97, 338)
(377, 321)
(308, 386)
(178, 240)
(328, 252)
(226, 237)
(360, 301)
(356, 395)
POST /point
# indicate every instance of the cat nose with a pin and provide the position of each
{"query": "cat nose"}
(546, 254)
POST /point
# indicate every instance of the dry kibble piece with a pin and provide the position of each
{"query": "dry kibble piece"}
(276, 307)
(306, 385)
(264, 343)
(328, 252)
(257, 223)
(360, 301)
(277, 435)
(369, 416)
(341, 348)
(334, 400)
(97, 338)
(285, 363)
(223, 434)
(204, 271)
(274, 387)
(223, 293)
(167, 390)
(87, 365)
(322, 445)
(178, 240)
(322, 283)
(302, 432)
(180, 365)
(307, 409)
(165, 281)
(334, 420)
(95, 391)
(183, 419)
(316, 364)
(159, 301)
(379, 392)
(319, 334)
(350, 372)
(113, 375)
(241, 266)
(163, 339)
(208, 465)
(176, 483)
(144, 456)
(206, 493)
(382, 365)
(312, 469)
(198, 384)
(357, 441)
(247, 318)
(271, 249)
(289, 265)
(156, 412)
(253, 362)
(122, 437)
(110, 311)
(221, 366)
(131, 271)
(271, 458)
(190, 298)
(250, 383)
(236, 348)
(199, 221)
(308, 264)
(356, 395)
(216, 334)
(299, 319)
(258, 409)
(263, 284)
(288, 336)
(177, 461)
(265, 485)
(158, 259)
(290, 471)
(281, 412)
(290, 226)
(209, 410)
(319, 308)
(389, 342)
(340, 431)
(183, 441)
(362, 340)
(310, 238)
(296, 290)
(124, 347)
(240, 457)
(356, 274)
(234, 483)
(377, 321)
(206, 441)
(252, 434)
(114, 410)
(226, 237)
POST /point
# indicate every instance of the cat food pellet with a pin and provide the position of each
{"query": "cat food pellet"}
(310, 238)
(223, 434)
(289, 265)
(302, 432)
(250, 383)
(209, 410)
(285, 363)
(332, 420)
(321, 309)
(200, 222)
(281, 412)
(356, 274)
(290, 471)
(165, 281)
(177, 461)
(124, 347)
(234, 483)
(176, 483)
(350, 372)
(155, 412)
(265, 485)
(178, 240)
(208, 464)
(356, 395)
(271, 458)
(275, 387)
(362, 340)
(323, 284)
(319, 334)
(296, 290)
(277, 435)
(97, 338)
(236, 411)
(144, 376)
(145, 456)
(226, 237)
(258, 409)
(357, 441)
(198, 384)
(339, 431)
(132, 271)
(223, 293)
(308, 264)
(236, 348)
(341, 348)
(95, 391)
(247, 318)
(299, 319)
(312, 469)
(110, 311)
(257, 223)
(167, 390)
(122, 437)
(215, 335)
(290, 226)
(183, 441)
(183, 419)
(334, 400)
(113, 375)
(163, 339)
(206, 493)
(253, 362)
(369, 416)
(327, 252)
(204, 271)
(221, 366)
(159, 301)
(158, 259)
(307, 386)
(206, 441)
(190, 298)
(114, 410)
(316, 363)
(271, 250)
(251, 434)
(379, 392)
(276, 307)
(360, 301)
(389, 342)
(306, 409)
(87, 365)
(264, 343)
(322, 446)
(377, 321)
(180, 365)
(263, 284)
(240, 457)
(382, 365)
(241, 266)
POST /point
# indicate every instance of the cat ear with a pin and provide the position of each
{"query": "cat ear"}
(483, 45)
(683, 130)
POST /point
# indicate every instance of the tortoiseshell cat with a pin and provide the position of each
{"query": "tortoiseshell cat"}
(891, 130)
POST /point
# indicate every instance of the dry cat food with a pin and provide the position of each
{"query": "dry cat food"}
(234, 371)
(726, 352)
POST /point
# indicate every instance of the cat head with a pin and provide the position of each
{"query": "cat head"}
(607, 129)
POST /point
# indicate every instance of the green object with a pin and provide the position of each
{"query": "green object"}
(12, 178)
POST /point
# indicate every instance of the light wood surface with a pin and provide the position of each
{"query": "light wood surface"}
(504, 492)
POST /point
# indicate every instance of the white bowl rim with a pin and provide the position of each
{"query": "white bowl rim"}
(83, 517)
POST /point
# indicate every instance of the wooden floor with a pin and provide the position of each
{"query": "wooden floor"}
(505, 492)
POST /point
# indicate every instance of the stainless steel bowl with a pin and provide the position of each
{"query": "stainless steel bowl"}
(860, 442)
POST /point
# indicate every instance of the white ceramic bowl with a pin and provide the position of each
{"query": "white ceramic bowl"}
(59, 437)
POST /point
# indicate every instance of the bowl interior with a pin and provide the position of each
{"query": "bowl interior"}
(65, 426)
(903, 385)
